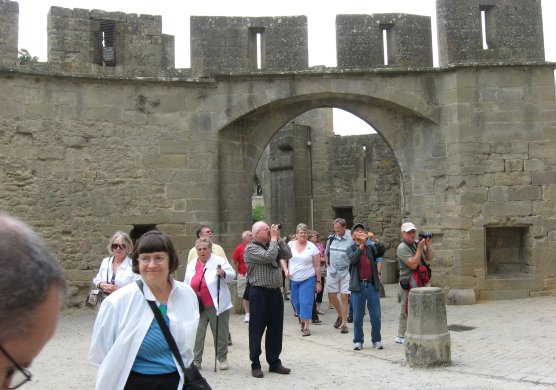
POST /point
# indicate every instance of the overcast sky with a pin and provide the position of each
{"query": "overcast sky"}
(175, 19)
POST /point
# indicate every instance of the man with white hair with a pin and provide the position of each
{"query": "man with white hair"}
(266, 304)
(32, 288)
(410, 255)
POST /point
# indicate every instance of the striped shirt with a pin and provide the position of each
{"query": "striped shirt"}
(263, 263)
(338, 258)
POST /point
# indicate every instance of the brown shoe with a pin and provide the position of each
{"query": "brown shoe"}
(338, 322)
(344, 329)
(280, 370)
(257, 373)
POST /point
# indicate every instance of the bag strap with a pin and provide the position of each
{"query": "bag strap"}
(108, 270)
(164, 328)
(201, 280)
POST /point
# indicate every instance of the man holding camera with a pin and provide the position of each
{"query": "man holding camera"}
(266, 304)
(411, 254)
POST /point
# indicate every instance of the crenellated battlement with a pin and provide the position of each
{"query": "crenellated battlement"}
(114, 43)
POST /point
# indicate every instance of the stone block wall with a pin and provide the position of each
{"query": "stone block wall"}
(514, 31)
(139, 47)
(9, 25)
(360, 41)
(229, 44)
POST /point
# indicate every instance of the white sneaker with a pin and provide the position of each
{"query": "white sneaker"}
(400, 340)
(246, 319)
(378, 345)
(223, 364)
(357, 346)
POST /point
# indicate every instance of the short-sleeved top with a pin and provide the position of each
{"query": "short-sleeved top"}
(238, 256)
(404, 253)
(301, 265)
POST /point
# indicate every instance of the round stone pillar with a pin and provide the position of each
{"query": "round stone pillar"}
(427, 339)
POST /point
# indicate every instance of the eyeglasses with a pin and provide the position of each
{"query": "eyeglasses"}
(118, 246)
(17, 378)
(145, 260)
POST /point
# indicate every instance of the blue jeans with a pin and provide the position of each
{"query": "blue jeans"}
(302, 295)
(371, 295)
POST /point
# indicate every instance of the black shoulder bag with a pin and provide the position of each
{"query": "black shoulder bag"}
(193, 379)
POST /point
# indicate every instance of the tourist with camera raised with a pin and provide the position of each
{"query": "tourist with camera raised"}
(365, 256)
(266, 303)
(413, 257)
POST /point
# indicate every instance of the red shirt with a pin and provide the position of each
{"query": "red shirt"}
(238, 256)
(204, 294)
(365, 268)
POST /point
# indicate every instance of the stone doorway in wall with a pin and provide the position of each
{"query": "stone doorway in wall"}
(139, 230)
(507, 251)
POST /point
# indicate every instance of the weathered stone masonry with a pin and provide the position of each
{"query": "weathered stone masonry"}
(108, 135)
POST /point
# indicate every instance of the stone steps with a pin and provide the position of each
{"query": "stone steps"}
(512, 286)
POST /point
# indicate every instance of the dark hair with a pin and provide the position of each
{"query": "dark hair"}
(28, 272)
(155, 241)
(198, 231)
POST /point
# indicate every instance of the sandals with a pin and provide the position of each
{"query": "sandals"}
(305, 332)
(338, 322)
(317, 322)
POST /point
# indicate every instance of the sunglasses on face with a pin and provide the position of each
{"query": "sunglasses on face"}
(118, 246)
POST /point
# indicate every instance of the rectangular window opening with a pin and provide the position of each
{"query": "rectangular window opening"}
(386, 42)
(488, 32)
(106, 39)
(507, 251)
(256, 47)
(345, 213)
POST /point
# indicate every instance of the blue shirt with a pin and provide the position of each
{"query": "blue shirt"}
(155, 356)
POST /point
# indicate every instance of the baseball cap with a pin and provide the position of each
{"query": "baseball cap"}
(358, 225)
(406, 227)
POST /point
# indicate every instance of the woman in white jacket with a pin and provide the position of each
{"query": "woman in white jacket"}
(115, 271)
(203, 275)
(127, 345)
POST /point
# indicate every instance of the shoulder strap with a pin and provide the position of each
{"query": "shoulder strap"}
(330, 239)
(164, 328)
(108, 270)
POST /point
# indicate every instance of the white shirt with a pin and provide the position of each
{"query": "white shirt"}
(211, 280)
(122, 323)
(301, 264)
(124, 274)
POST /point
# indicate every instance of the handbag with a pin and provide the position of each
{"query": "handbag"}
(193, 379)
(96, 295)
(199, 300)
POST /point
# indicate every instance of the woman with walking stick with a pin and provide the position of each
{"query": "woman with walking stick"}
(205, 275)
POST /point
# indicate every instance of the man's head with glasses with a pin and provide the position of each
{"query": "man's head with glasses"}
(31, 294)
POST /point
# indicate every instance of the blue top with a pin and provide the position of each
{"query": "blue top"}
(155, 356)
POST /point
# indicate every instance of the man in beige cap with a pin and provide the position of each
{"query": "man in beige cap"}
(410, 254)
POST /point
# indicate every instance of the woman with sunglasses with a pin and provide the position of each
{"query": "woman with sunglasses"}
(115, 270)
(128, 345)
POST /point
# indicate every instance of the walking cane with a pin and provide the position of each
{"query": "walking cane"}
(217, 310)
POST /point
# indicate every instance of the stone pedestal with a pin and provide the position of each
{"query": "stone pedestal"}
(389, 274)
(236, 301)
(427, 339)
(461, 296)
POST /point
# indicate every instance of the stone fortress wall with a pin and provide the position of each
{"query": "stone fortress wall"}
(108, 135)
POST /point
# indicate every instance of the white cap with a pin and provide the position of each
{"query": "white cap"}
(408, 226)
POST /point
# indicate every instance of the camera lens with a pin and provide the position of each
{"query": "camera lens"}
(279, 226)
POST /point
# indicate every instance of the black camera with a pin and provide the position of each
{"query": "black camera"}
(279, 226)
(423, 235)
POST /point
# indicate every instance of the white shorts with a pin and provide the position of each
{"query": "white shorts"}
(337, 284)
(241, 283)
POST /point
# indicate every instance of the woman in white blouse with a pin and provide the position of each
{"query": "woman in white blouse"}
(115, 270)
(127, 345)
(304, 272)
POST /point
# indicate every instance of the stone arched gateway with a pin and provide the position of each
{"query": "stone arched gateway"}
(107, 137)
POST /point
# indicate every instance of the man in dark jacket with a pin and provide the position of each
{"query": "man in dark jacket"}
(365, 268)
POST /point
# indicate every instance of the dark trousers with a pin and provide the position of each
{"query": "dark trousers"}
(137, 381)
(266, 308)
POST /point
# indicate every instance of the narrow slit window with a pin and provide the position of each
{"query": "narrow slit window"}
(107, 34)
(387, 43)
(488, 27)
(256, 47)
